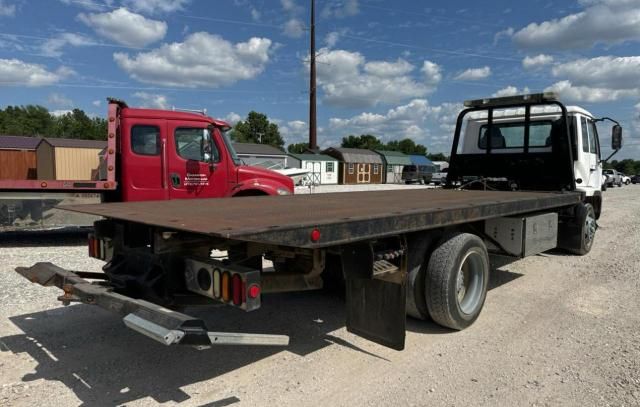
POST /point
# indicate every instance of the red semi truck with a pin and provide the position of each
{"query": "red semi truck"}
(151, 155)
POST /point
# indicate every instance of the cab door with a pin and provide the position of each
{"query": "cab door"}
(142, 166)
(587, 167)
(196, 166)
(595, 165)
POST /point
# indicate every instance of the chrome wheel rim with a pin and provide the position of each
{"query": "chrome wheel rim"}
(590, 227)
(470, 282)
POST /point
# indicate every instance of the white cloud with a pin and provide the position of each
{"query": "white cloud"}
(201, 60)
(571, 92)
(59, 100)
(290, 6)
(294, 28)
(97, 103)
(152, 100)
(432, 73)
(602, 21)
(255, 14)
(53, 46)
(537, 61)
(332, 39)
(384, 68)
(156, 6)
(418, 120)
(60, 112)
(20, 73)
(511, 91)
(502, 34)
(600, 79)
(474, 74)
(232, 118)
(605, 71)
(294, 131)
(340, 9)
(7, 10)
(347, 79)
(92, 5)
(125, 27)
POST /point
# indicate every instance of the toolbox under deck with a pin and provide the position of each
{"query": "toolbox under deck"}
(340, 217)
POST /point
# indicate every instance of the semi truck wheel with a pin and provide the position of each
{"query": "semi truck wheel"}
(456, 280)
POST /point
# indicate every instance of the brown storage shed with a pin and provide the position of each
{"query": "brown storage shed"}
(69, 159)
(357, 166)
(18, 157)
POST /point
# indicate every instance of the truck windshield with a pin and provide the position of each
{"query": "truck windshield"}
(229, 145)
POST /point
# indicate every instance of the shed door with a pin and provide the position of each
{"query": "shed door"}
(315, 168)
(364, 173)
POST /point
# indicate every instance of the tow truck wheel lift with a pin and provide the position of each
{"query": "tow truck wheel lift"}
(159, 323)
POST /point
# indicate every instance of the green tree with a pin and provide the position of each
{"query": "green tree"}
(437, 157)
(36, 121)
(257, 129)
(27, 120)
(366, 141)
(406, 146)
(298, 148)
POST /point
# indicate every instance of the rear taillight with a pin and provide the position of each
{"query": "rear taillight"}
(231, 284)
(99, 248)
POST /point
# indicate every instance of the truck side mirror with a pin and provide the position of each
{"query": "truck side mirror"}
(616, 137)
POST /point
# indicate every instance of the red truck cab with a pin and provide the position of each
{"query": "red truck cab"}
(164, 154)
(151, 154)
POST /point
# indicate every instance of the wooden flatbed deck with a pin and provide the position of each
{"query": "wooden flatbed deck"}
(340, 217)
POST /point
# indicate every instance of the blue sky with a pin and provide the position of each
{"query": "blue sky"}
(394, 69)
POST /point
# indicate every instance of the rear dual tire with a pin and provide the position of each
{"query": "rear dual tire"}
(454, 282)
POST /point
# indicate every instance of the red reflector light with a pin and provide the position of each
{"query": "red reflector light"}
(237, 289)
(254, 291)
(315, 235)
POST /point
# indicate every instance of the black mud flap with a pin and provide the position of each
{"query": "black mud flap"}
(376, 301)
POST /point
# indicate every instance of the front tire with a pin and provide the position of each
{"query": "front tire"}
(456, 280)
(586, 217)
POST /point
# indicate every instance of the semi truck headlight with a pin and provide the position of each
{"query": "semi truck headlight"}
(283, 191)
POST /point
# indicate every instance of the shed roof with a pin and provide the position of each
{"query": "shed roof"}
(394, 157)
(313, 157)
(75, 143)
(257, 149)
(418, 159)
(18, 142)
(354, 155)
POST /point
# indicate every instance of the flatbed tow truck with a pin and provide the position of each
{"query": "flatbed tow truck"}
(514, 187)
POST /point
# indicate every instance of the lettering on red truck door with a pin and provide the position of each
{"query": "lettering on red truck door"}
(197, 169)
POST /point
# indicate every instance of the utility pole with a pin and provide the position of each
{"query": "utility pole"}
(313, 143)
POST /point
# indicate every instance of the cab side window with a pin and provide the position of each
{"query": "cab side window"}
(585, 135)
(145, 140)
(196, 144)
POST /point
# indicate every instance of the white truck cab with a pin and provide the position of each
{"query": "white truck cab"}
(529, 142)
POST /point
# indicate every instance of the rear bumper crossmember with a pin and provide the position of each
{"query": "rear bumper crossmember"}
(161, 324)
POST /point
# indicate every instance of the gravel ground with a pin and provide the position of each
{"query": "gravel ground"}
(555, 330)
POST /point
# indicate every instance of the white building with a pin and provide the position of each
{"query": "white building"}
(323, 169)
